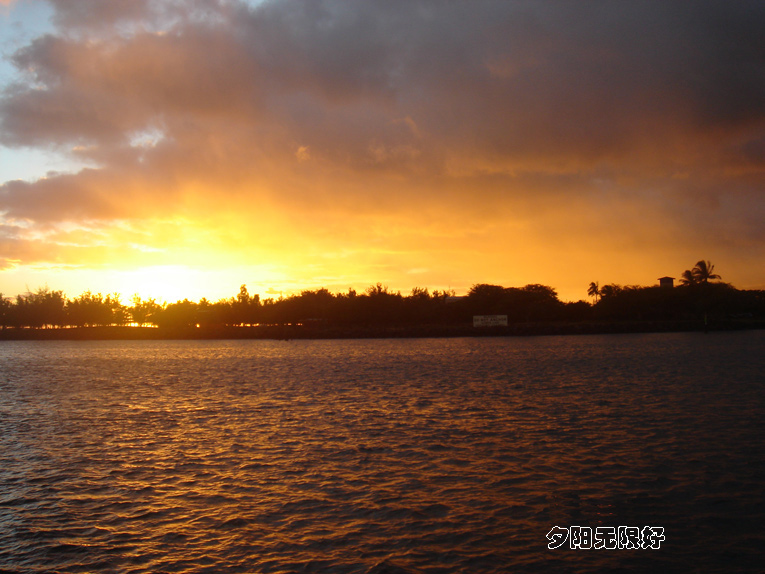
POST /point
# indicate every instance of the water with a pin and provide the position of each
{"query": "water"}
(448, 455)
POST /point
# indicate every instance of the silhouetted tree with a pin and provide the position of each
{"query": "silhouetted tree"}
(576, 311)
(699, 297)
(245, 307)
(420, 293)
(533, 302)
(540, 302)
(179, 314)
(120, 314)
(701, 274)
(422, 307)
(43, 308)
(309, 306)
(486, 299)
(609, 291)
(704, 272)
(594, 291)
(95, 310)
(379, 306)
(444, 294)
(377, 290)
(6, 308)
(143, 312)
(541, 292)
(348, 307)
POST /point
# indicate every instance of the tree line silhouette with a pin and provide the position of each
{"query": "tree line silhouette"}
(700, 294)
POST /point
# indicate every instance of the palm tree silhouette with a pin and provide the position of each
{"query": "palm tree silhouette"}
(701, 274)
(594, 291)
(687, 278)
(704, 271)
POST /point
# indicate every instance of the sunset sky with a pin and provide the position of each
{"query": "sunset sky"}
(182, 148)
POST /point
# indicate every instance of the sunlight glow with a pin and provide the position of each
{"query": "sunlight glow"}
(163, 283)
(171, 283)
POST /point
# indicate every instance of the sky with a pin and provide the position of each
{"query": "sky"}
(182, 148)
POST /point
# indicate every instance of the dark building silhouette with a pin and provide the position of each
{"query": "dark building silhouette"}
(668, 282)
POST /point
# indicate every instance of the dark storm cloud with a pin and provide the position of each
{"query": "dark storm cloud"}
(514, 83)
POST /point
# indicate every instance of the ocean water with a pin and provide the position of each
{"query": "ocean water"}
(375, 456)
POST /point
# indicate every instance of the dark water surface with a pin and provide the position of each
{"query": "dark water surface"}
(443, 455)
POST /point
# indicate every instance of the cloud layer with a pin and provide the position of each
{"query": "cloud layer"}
(362, 141)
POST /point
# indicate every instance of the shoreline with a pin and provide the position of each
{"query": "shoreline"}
(287, 332)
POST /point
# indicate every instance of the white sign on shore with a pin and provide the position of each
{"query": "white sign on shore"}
(489, 320)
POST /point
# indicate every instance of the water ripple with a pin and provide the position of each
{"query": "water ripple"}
(379, 456)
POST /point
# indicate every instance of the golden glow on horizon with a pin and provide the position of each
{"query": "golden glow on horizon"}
(164, 283)
(209, 254)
